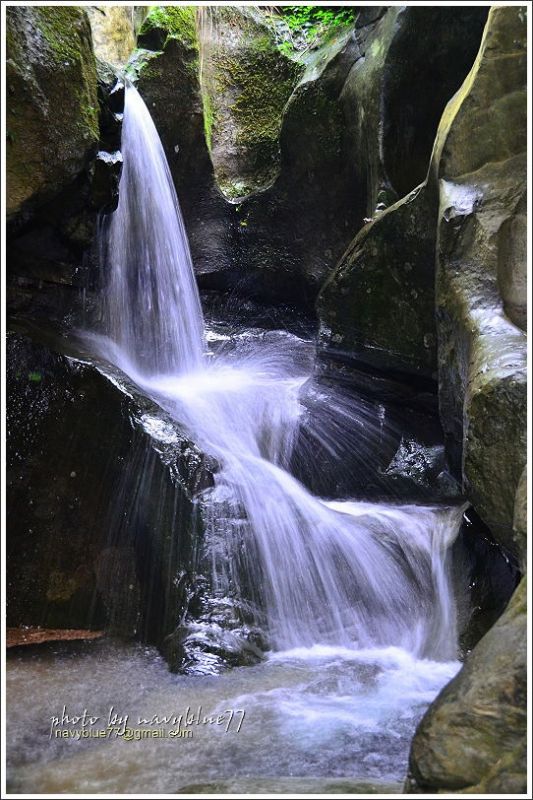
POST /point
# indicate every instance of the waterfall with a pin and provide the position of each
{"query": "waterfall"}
(151, 305)
(336, 573)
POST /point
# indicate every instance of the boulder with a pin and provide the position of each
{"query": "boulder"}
(102, 491)
(52, 107)
(480, 163)
(472, 738)
(114, 30)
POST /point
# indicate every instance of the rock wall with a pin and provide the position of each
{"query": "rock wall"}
(336, 135)
(472, 739)
(62, 158)
(378, 305)
(480, 163)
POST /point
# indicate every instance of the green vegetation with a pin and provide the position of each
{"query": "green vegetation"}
(305, 26)
(178, 21)
(209, 118)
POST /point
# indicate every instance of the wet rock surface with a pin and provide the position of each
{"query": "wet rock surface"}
(98, 487)
(482, 392)
(482, 354)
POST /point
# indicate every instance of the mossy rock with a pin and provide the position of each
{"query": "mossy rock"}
(246, 83)
(178, 22)
(52, 107)
(473, 734)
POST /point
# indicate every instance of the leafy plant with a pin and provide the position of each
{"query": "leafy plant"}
(306, 25)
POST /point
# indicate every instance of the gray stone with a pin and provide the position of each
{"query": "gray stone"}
(472, 736)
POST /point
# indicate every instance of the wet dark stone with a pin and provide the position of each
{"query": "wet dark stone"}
(102, 516)
(493, 575)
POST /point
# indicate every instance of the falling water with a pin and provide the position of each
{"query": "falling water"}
(342, 574)
(353, 599)
(152, 309)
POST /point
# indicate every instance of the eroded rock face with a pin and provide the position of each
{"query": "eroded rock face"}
(480, 164)
(392, 104)
(52, 107)
(379, 303)
(472, 738)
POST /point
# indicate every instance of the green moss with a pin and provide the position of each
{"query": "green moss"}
(179, 21)
(265, 82)
(209, 118)
(140, 64)
(57, 25)
(62, 29)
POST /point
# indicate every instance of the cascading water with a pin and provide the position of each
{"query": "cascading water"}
(151, 304)
(354, 598)
(344, 574)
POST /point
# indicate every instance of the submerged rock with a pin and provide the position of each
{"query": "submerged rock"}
(472, 738)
